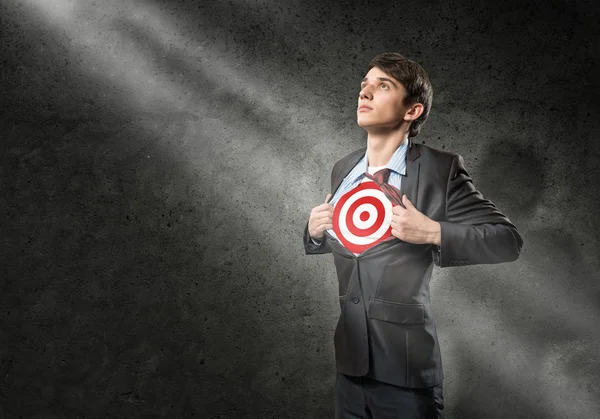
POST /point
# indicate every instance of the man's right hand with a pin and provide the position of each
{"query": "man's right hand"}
(320, 219)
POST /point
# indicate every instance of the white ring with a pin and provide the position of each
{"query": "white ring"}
(368, 208)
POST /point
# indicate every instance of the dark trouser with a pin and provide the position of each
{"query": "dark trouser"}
(365, 398)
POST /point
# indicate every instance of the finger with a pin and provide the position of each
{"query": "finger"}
(327, 198)
(322, 208)
(323, 219)
(320, 229)
(407, 202)
(399, 220)
(395, 232)
(398, 209)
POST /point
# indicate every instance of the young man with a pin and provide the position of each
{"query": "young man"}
(397, 209)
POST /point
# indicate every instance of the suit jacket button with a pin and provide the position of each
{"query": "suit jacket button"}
(355, 299)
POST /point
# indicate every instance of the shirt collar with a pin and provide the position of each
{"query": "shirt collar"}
(396, 163)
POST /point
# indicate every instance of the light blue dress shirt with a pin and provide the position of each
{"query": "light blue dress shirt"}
(396, 164)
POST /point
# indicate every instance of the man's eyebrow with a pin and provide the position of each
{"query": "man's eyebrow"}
(379, 78)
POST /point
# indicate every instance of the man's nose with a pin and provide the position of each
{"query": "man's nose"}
(365, 93)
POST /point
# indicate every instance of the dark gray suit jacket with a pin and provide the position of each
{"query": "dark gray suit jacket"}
(386, 330)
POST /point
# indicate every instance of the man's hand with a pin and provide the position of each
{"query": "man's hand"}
(412, 226)
(320, 219)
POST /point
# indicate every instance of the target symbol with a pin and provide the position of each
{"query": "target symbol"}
(362, 217)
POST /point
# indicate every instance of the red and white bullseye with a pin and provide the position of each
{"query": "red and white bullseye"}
(362, 217)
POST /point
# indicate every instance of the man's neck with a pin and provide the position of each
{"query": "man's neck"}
(381, 147)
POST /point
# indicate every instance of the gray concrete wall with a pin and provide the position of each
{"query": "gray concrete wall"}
(160, 160)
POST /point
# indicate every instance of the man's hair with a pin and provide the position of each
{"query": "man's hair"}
(413, 78)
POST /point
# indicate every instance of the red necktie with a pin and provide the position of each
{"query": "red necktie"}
(380, 178)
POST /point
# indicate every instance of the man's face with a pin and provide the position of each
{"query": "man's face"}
(380, 101)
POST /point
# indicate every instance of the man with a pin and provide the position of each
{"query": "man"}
(386, 229)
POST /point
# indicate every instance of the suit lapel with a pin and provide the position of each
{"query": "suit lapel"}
(410, 180)
(351, 161)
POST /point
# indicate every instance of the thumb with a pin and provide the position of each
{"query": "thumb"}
(328, 196)
(407, 202)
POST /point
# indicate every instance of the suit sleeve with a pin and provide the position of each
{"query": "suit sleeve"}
(310, 247)
(474, 230)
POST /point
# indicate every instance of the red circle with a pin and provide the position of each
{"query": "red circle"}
(364, 216)
(363, 232)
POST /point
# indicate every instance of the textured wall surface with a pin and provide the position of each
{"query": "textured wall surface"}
(159, 163)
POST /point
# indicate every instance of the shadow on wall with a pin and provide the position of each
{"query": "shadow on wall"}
(131, 288)
(535, 355)
(486, 394)
(513, 175)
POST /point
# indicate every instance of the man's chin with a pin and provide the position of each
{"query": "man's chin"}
(363, 124)
(369, 126)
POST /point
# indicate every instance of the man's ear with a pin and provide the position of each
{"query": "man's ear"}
(413, 112)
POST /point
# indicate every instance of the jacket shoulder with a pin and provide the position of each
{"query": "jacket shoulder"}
(435, 152)
(354, 156)
(351, 156)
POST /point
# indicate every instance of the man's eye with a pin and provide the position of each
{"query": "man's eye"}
(384, 86)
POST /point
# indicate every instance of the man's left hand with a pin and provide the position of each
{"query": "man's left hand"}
(412, 226)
